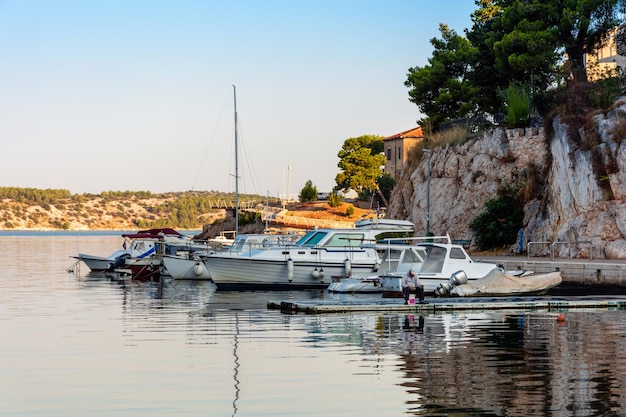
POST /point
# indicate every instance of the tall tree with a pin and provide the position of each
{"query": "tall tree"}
(529, 37)
(360, 161)
(582, 27)
(441, 89)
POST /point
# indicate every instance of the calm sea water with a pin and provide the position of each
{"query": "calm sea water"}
(80, 345)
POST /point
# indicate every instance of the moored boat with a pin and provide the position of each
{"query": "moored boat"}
(435, 259)
(499, 283)
(311, 262)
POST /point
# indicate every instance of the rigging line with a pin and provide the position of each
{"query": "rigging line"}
(211, 140)
(247, 160)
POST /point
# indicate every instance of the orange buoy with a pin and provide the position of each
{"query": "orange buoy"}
(561, 318)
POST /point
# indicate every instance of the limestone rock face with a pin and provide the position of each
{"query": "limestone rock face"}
(568, 206)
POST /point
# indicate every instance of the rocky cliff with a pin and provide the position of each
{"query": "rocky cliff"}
(576, 192)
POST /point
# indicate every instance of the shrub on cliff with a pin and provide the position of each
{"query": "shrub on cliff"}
(499, 223)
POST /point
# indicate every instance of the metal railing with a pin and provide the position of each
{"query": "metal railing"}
(568, 243)
(529, 244)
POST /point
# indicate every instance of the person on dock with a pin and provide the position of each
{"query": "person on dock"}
(411, 285)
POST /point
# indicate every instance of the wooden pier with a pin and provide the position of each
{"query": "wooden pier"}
(445, 305)
(579, 273)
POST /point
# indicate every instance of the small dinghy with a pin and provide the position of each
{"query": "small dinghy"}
(500, 283)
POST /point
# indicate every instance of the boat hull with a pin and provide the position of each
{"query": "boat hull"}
(100, 263)
(292, 270)
(144, 269)
(184, 268)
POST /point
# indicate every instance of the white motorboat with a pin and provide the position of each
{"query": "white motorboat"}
(311, 262)
(104, 263)
(132, 247)
(435, 259)
(141, 252)
(191, 265)
(149, 246)
(224, 239)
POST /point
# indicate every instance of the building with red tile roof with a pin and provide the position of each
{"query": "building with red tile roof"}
(397, 149)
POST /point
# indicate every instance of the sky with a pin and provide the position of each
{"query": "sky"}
(137, 95)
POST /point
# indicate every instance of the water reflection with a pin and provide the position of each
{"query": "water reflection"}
(76, 345)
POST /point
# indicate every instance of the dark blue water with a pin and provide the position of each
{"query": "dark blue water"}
(82, 345)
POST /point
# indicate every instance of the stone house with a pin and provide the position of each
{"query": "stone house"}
(397, 148)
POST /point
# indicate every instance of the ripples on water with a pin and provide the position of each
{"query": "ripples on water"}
(88, 345)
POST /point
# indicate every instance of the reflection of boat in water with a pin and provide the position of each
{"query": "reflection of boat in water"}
(352, 285)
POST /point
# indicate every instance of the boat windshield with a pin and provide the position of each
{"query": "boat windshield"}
(412, 256)
(238, 244)
(311, 238)
(435, 259)
(346, 239)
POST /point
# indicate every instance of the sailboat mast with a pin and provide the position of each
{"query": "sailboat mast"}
(236, 168)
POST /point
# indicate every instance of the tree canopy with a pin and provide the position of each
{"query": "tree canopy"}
(360, 161)
(441, 90)
(308, 192)
(536, 44)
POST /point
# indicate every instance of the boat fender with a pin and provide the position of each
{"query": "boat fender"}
(348, 267)
(198, 269)
(290, 269)
(316, 273)
(376, 266)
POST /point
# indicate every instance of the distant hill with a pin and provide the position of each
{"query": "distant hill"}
(35, 209)
(53, 209)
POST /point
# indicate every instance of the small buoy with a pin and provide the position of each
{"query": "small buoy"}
(560, 319)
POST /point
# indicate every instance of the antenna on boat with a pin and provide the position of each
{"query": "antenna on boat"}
(236, 167)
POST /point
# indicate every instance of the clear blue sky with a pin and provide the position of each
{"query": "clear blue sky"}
(137, 95)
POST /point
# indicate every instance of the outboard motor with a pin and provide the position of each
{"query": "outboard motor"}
(458, 278)
(120, 261)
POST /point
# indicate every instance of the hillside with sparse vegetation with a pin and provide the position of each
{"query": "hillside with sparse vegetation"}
(54, 209)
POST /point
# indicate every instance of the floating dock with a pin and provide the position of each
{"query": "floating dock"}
(590, 275)
(443, 305)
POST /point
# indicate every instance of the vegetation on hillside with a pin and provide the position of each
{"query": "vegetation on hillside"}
(498, 224)
(59, 209)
